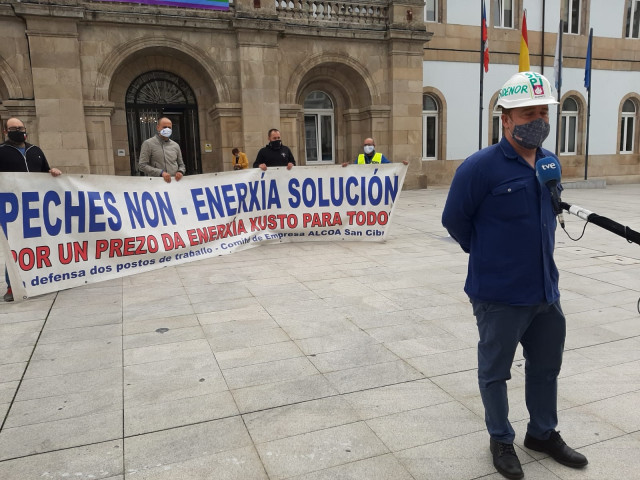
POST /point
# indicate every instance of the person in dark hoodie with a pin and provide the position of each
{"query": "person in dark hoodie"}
(274, 154)
(16, 155)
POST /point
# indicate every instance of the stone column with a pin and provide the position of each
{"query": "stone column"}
(257, 39)
(291, 119)
(226, 119)
(407, 35)
(99, 140)
(57, 84)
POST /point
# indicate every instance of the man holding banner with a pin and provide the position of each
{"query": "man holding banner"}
(160, 156)
(274, 154)
(16, 155)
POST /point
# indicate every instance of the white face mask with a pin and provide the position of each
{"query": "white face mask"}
(165, 132)
(369, 149)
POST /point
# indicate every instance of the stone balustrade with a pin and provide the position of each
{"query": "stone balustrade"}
(343, 12)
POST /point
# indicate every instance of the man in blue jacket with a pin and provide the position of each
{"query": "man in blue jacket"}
(501, 216)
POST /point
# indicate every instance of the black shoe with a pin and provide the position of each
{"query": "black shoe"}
(557, 449)
(8, 297)
(505, 460)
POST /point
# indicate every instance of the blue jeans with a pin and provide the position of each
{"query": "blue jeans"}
(6, 277)
(541, 330)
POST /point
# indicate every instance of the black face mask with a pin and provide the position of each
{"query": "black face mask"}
(275, 144)
(17, 137)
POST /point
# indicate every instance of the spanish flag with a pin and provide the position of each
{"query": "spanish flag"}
(524, 46)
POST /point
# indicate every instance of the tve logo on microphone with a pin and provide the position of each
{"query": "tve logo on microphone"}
(548, 166)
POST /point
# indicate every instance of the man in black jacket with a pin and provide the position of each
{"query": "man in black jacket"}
(274, 154)
(16, 155)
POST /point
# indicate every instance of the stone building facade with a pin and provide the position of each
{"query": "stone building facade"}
(91, 78)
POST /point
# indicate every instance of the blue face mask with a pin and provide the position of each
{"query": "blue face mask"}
(531, 135)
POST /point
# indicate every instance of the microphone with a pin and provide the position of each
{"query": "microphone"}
(548, 173)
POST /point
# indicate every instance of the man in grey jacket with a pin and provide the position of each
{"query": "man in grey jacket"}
(160, 156)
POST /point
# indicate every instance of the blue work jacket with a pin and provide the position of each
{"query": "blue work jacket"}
(500, 214)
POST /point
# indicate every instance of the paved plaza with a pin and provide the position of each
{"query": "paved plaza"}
(315, 361)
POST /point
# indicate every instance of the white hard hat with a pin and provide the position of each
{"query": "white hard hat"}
(525, 89)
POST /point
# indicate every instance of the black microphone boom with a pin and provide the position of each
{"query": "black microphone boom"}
(614, 227)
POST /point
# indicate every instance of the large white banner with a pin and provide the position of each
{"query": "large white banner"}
(77, 229)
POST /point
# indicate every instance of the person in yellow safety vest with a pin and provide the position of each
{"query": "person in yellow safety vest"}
(370, 155)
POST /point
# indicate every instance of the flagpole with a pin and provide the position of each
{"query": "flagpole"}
(481, 79)
(559, 88)
(586, 150)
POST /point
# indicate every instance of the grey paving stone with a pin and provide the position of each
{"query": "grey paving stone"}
(241, 357)
(265, 373)
(169, 380)
(251, 399)
(464, 457)
(251, 326)
(304, 417)
(175, 350)
(368, 320)
(50, 335)
(7, 318)
(319, 450)
(98, 461)
(73, 405)
(109, 346)
(401, 397)
(160, 415)
(332, 343)
(79, 317)
(304, 326)
(352, 358)
(371, 376)
(234, 341)
(4, 408)
(15, 354)
(12, 371)
(611, 381)
(81, 362)
(52, 386)
(7, 391)
(133, 327)
(446, 362)
(49, 436)
(27, 330)
(400, 431)
(614, 458)
(178, 445)
(617, 411)
(236, 464)
(384, 467)
(162, 335)
(430, 345)
(253, 311)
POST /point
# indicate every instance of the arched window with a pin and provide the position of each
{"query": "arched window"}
(318, 128)
(569, 127)
(496, 125)
(429, 127)
(627, 127)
